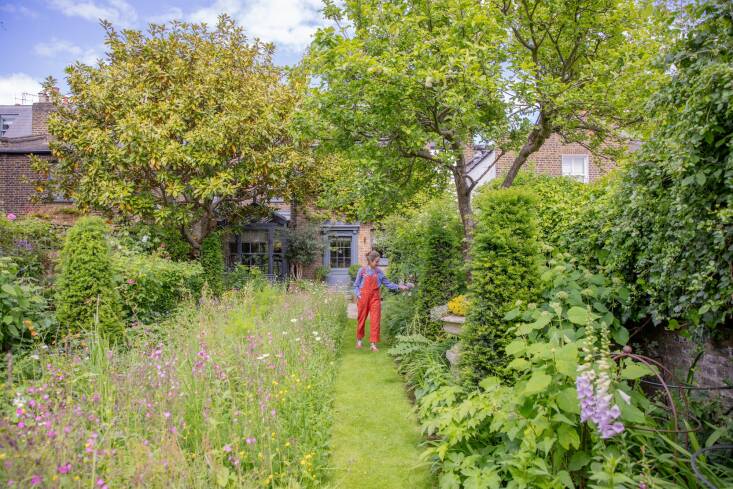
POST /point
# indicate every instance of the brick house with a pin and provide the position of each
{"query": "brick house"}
(554, 158)
(24, 132)
(263, 243)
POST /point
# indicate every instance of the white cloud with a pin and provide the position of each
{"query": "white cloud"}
(119, 12)
(16, 84)
(57, 47)
(14, 8)
(289, 23)
(174, 13)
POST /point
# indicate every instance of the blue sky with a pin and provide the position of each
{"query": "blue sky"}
(41, 37)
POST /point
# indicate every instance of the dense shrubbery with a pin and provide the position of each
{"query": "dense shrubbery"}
(153, 286)
(528, 432)
(86, 295)
(398, 314)
(212, 262)
(425, 246)
(242, 276)
(30, 242)
(148, 238)
(23, 310)
(504, 261)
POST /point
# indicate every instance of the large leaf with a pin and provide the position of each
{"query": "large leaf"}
(578, 315)
(537, 383)
(568, 436)
(633, 371)
(567, 400)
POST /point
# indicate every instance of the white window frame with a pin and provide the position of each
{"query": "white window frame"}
(586, 167)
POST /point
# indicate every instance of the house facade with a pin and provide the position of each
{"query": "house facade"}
(24, 133)
(555, 158)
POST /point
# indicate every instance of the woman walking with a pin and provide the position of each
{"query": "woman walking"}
(367, 285)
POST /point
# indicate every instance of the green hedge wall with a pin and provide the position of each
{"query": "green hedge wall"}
(504, 265)
(152, 287)
(212, 261)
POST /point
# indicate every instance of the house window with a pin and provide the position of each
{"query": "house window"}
(254, 249)
(575, 166)
(340, 252)
(6, 120)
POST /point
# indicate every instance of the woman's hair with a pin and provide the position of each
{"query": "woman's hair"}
(372, 255)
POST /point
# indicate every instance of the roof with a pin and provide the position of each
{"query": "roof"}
(22, 124)
(24, 145)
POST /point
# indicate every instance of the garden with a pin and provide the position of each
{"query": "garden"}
(531, 351)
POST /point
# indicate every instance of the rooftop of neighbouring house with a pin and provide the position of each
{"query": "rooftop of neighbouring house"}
(16, 121)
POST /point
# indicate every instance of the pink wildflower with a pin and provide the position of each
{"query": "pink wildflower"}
(130, 281)
(227, 448)
(36, 480)
(64, 469)
(11, 216)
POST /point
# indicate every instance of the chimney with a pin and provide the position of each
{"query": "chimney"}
(40, 111)
(468, 152)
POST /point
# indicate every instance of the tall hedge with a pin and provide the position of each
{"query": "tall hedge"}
(441, 274)
(212, 261)
(504, 265)
(85, 291)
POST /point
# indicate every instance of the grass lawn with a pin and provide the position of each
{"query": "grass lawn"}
(375, 434)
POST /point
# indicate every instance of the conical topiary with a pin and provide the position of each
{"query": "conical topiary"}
(86, 296)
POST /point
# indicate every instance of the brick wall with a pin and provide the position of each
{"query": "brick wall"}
(548, 159)
(41, 110)
(15, 185)
(365, 242)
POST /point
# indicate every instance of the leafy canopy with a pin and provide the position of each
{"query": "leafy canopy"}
(177, 124)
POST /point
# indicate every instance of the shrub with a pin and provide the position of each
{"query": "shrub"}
(398, 314)
(148, 238)
(31, 243)
(304, 246)
(459, 305)
(243, 275)
(152, 286)
(85, 291)
(504, 262)
(353, 270)
(23, 310)
(321, 273)
(212, 262)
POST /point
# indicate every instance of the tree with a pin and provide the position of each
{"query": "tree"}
(400, 88)
(580, 68)
(181, 125)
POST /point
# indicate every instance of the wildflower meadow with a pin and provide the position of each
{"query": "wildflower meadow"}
(235, 392)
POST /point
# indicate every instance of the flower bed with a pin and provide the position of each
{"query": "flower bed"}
(234, 394)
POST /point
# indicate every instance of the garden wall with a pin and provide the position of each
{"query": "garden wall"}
(677, 353)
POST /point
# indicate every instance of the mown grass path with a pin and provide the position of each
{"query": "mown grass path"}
(375, 441)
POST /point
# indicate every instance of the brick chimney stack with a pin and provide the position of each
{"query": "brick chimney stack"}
(40, 112)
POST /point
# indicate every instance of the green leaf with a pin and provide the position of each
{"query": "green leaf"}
(578, 315)
(513, 314)
(621, 335)
(516, 347)
(634, 371)
(567, 400)
(537, 383)
(565, 478)
(519, 364)
(568, 436)
(578, 461)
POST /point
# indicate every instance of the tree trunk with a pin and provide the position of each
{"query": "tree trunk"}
(535, 140)
(463, 192)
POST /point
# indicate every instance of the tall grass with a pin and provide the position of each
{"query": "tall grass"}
(234, 393)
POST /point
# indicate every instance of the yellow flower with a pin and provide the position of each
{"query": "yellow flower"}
(2, 455)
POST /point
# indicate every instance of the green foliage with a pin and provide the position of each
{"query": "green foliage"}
(558, 201)
(527, 433)
(353, 270)
(86, 296)
(321, 273)
(504, 263)
(212, 262)
(664, 225)
(151, 238)
(398, 314)
(152, 287)
(423, 363)
(30, 242)
(243, 276)
(305, 244)
(425, 246)
(177, 125)
(23, 310)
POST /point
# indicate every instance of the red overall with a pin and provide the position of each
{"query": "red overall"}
(369, 304)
